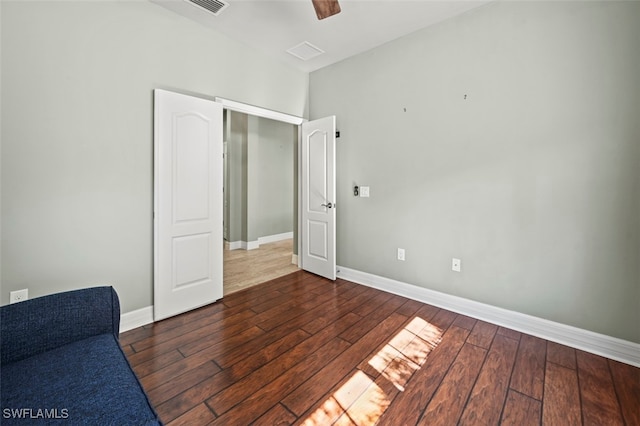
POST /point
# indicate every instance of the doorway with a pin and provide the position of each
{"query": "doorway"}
(260, 220)
(189, 199)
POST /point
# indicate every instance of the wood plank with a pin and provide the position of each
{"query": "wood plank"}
(464, 321)
(364, 402)
(273, 351)
(626, 379)
(243, 388)
(132, 336)
(206, 389)
(489, 393)
(379, 298)
(248, 408)
(397, 359)
(561, 355)
(178, 383)
(297, 308)
(312, 390)
(362, 327)
(161, 329)
(507, 332)
(561, 396)
(387, 378)
(145, 368)
(299, 292)
(289, 331)
(443, 319)
(599, 401)
(482, 334)
(521, 410)
(149, 350)
(410, 308)
(335, 311)
(198, 415)
(446, 406)
(278, 415)
(213, 343)
(528, 372)
(378, 379)
(407, 406)
(128, 350)
(269, 289)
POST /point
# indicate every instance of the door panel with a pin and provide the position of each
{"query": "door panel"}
(188, 203)
(318, 197)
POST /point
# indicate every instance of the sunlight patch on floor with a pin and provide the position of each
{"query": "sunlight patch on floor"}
(361, 400)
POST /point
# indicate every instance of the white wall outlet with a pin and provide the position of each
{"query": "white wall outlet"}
(364, 191)
(455, 264)
(400, 254)
(19, 295)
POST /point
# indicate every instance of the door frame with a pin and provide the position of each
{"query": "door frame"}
(285, 118)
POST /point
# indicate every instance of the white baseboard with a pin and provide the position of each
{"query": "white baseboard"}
(274, 238)
(252, 245)
(242, 245)
(294, 259)
(135, 319)
(589, 341)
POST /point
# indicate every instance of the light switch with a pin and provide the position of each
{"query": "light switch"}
(364, 191)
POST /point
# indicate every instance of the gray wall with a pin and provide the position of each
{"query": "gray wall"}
(237, 175)
(261, 177)
(532, 180)
(77, 82)
(272, 188)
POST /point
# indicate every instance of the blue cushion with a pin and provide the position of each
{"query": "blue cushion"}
(86, 382)
(44, 323)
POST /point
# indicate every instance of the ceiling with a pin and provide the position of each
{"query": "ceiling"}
(274, 26)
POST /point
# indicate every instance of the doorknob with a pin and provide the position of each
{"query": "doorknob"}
(328, 205)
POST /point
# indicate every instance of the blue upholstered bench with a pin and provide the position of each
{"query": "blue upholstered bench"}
(62, 363)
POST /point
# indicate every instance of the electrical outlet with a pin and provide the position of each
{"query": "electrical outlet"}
(455, 264)
(19, 295)
(400, 254)
(364, 191)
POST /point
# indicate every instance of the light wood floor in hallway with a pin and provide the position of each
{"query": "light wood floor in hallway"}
(246, 268)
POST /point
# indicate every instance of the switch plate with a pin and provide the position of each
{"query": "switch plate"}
(400, 254)
(455, 264)
(18, 295)
(364, 191)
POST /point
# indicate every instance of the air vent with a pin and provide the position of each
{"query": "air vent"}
(305, 51)
(212, 6)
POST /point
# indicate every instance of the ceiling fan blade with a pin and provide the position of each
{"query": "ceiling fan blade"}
(326, 8)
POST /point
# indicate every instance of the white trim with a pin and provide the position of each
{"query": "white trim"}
(259, 111)
(135, 319)
(294, 259)
(274, 238)
(589, 341)
(252, 245)
(243, 245)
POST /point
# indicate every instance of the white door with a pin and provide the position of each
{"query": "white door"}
(188, 203)
(319, 197)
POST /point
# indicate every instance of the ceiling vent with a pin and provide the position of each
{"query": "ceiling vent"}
(212, 6)
(305, 51)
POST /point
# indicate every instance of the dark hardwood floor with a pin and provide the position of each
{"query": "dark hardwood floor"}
(304, 350)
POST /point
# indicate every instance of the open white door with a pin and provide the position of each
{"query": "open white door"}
(188, 203)
(319, 197)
